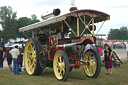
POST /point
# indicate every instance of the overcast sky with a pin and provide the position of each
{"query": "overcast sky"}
(117, 9)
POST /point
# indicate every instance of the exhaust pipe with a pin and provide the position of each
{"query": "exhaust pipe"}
(55, 12)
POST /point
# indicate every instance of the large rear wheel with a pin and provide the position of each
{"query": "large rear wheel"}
(61, 65)
(93, 67)
(31, 58)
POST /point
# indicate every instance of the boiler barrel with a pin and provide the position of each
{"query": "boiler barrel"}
(74, 49)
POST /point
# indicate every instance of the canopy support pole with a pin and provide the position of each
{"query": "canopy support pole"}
(93, 25)
(70, 28)
(78, 28)
(62, 26)
(100, 27)
(26, 36)
(33, 34)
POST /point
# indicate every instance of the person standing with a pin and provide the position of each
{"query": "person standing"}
(22, 48)
(9, 58)
(99, 50)
(94, 47)
(1, 56)
(127, 50)
(15, 53)
(20, 58)
(88, 46)
(2, 42)
(108, 59)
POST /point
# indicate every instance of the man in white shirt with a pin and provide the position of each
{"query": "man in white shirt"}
(88, 46)
(127, 50)
(15, 52)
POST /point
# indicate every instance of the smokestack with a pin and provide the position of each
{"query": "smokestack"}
(73, 8)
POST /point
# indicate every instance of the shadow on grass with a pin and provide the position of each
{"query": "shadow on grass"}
(50, 74)
(78, 78)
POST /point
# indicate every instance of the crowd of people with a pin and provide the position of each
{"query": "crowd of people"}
(12, 54)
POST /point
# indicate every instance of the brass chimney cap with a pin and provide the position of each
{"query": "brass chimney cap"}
(73, 9)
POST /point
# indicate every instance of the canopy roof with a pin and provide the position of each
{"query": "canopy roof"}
(97, 15)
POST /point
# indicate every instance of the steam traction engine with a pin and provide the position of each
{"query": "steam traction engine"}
(59, 42)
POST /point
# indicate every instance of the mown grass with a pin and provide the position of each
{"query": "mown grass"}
(76, 77)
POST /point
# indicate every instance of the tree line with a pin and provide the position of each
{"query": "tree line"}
(119, 34)
(11, 24)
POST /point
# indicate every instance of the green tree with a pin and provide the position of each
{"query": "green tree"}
(8, 21)
(24, 21)
(119, 34)
(11, 25)
(34, 19)
(124, 33)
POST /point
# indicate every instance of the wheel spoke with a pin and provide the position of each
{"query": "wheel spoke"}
(89, 57)
(86, 58)
(60, 58)
(33, 56)
(33, 49)
(60, 73)
(63, 71)
(94, 68)
(28, 51)
(30, 45)
(32, 67)
(94, 59)
(34, 60)
(28, 61)
(88, 71)
(63, 65)
(34, 53)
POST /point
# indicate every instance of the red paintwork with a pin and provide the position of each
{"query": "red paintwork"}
(74, 57)
(88, 41)
(77, 64)
(54, 49)
(61, 46)
(51, 55)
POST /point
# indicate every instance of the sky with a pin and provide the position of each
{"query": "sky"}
(117, 9)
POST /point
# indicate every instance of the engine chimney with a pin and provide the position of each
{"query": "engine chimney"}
(73, 9)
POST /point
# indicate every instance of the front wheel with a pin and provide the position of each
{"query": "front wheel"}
(93, 67)
(61, 65)
(31, 58)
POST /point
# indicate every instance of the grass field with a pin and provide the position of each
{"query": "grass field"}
(76, 77)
